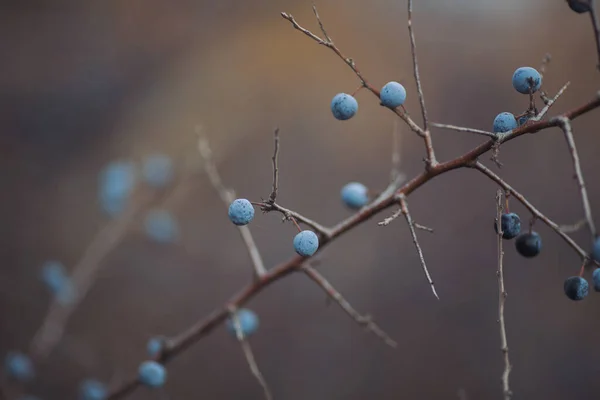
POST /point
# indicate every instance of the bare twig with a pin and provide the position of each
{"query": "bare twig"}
(423, 228)
(596, 27)
(289, 215)
(314, 7)
(396, 149)
(574, 227)
(389, 220)
(273, 194)
(364, 321)
(413, 233)
(501, 300)
(463, 129)
(248, 353)
(550, 103)
(565, 126)
(413, 50)
(228, 196)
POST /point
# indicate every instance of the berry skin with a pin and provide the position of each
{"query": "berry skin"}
(511, 225)
(579, 6)
(355, 195)
(392, 95)
(116, 183)
(161, 226)
(152, 374)
(576, 288)
(523, 120)
(504, 122)
(523, 77)
(19, 367)
(343, 106)
(306, 243)
(91, 389)
(241, 212)
(596, 279)
(248, 322)
(155, 346)
(157, 170)
(529, 244)
(596, 250)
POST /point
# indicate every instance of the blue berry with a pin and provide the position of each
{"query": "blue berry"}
(19, 366)
(161, 226)
(504, 122)
(241, 212)
(596, 279)
(576, 288)
(155, 346)
(152, 374)
(526, 77)
(596, 250)
(306, 243)
(529, 244)
(392, 95)
(343, 106)
(355, 195)
(523, 120)
(579, 6)
(157, 170)
(91, 389)
(54, 275)
(511, 225)
(117, 182)
(248, 322)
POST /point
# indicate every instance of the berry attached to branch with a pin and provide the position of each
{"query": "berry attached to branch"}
(511, 225)
(343, 106)
(576, 288)
(392, 95)
(504, 122)
(306, 243)
(526, 80)
(241, 212)
(355, 195)
(529, 244)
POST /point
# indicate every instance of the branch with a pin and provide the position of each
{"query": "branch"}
(248, 353)
(413, 50)
(462, 129)
(550, 103)
(228, 196)
(574, 227)
(502, 300)
(273, 194)
(413, 233)
(292, 215)
(565, 125)
(596, 27)
(364, 321)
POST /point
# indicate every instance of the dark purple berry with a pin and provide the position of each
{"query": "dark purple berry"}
(511, 225)
(529, 244)
(576, 288)
(579, 6)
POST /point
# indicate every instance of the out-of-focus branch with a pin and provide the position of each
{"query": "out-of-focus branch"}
(464, 129)
(273, 194)
(293, 215)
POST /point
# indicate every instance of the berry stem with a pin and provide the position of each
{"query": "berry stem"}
(296, 223)
(357, 90)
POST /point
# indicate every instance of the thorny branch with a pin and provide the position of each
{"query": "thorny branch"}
(228, 196)
(248, 353)
(364, 321)
(273, 194)
(290, 215)
(464, 129)
(413, 233)
(565, 125)
(501, 300)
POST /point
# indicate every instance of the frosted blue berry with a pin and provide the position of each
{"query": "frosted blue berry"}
(306, 243)
(392, 95)
(116, 183)
(152, 374)
(523, 119)
(91, 389)
(576, 288)
(596, 250)
(248, 322)
(241, 212)
(161, 226)
(19, 366)
(504, 122)
(596, 279)
(529, 244)
(526, 77)
(343, 106)
(157, 170)
(355, 195)
(511, 225)
(155, 346)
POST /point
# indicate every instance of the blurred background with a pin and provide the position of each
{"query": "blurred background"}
(86, 83)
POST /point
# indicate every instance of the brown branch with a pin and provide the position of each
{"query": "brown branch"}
(565, 126)
(364, 321)
(501, 300)
(248, 353)
(463, 129)
(290, 215)
(550, 103)
(228, 196)
(389, 220)
(413, 50)
(596, 27)
(413, 233)
(273, 194)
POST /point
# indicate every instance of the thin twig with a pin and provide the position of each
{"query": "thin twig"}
(364, 321)
(463, 129)
(413, 50)
(249, 354)
(396, 149)
(550, 103)
(574, 227)
(413, 233)
(273, 194)
(423, 228)
(565, 126)
(289, 215)
(389, 220)
(227, 196)
(501, 300)
(596, 27)
(314, 7)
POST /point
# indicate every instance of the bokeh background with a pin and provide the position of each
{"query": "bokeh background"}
(84, 83)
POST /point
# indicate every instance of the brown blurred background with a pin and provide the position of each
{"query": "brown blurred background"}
(83, 83)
